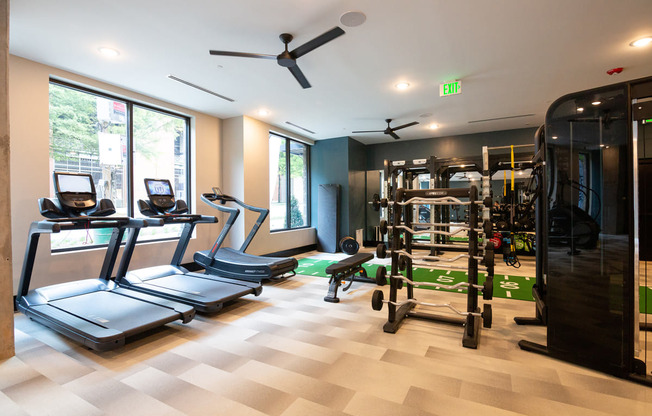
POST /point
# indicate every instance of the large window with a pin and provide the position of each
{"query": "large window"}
(120, 143)
(288, 183)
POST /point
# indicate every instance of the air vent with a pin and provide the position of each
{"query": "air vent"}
(299, 127)
(190, 84)
(501, 118)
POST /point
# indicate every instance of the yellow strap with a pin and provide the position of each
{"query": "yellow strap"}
(505, 183)
(512, 146)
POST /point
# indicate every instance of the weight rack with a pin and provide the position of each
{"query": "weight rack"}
(403, 259)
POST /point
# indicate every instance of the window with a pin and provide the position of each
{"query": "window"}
(119, 143)
(289, 183)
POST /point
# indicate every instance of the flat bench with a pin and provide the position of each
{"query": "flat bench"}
(347, 269)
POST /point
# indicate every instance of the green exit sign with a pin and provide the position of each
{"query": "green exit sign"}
(450, 88)
(648, 121)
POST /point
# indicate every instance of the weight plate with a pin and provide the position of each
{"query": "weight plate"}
(381, 276)
(381, 251)
(377, 300)
(488, 288)
(402, 262)
(383, 227)
(486, 315)
(349, 245)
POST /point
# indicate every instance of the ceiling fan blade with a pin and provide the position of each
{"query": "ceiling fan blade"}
(317, 42)
(394, 135)
(414, 123)
(369, 131)
(299, 76)
(243, 54)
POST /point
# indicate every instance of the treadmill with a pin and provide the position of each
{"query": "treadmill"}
(94, 312)
(205, 292)
(237, 264)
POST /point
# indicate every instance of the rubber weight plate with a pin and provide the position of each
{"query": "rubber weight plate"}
(349, 245)
(381, 276)
(377, 300)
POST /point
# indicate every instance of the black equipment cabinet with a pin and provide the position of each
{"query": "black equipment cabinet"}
(589, 240)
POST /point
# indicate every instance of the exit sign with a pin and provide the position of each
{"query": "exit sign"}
(450, 88)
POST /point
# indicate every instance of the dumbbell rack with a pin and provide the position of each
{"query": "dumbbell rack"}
(403, 259)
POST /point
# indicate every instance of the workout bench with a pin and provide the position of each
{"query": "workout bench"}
(347, 269)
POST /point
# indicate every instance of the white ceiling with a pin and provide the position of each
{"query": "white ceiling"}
(514, 57)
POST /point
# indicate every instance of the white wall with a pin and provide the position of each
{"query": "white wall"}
(248, 146)
(30, 174)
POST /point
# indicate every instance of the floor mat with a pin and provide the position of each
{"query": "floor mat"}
(505, 286)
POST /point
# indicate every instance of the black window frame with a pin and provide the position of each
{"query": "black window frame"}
(129, 180)
(288, 205)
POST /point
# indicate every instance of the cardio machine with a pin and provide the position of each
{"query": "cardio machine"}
(229, 262)
(94, 312)
(205, 292)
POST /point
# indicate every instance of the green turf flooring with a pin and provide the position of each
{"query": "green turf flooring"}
(505, 286)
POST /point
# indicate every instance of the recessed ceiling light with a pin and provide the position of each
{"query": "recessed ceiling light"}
(263, 112)
(353, 18)
(601, 145)
(596, 103)
(108, 52)
(555, 137)
(638, 43)
(580, 109)
(402, 85)
(433, 126)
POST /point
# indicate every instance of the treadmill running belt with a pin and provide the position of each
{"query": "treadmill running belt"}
(110, 310)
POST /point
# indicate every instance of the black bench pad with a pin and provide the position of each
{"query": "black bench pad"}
(349, 262)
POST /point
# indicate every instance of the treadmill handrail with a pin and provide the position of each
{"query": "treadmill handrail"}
(56, 225)
(223, 198)
(233, 216)
(188, 221)
(183, 218)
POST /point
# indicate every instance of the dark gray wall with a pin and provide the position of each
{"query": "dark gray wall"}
(357, 185)
(345, 161)
(329, 164)
(445, 147)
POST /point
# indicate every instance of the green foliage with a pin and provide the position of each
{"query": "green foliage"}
(297, 169)
(74, 125)
(296, 218)
(73, 122)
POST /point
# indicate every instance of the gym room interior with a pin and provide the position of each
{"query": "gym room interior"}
(517, 134)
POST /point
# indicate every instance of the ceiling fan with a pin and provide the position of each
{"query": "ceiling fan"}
(389, 130)
(288, 59)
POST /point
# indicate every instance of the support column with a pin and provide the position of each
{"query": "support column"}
(6, 280)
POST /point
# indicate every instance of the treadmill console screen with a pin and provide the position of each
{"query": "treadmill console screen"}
(157, 187)
(74, 183)
(160, 193)
(75, 191)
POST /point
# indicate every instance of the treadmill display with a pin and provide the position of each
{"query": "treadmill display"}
(80, 184)
(156, 187)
